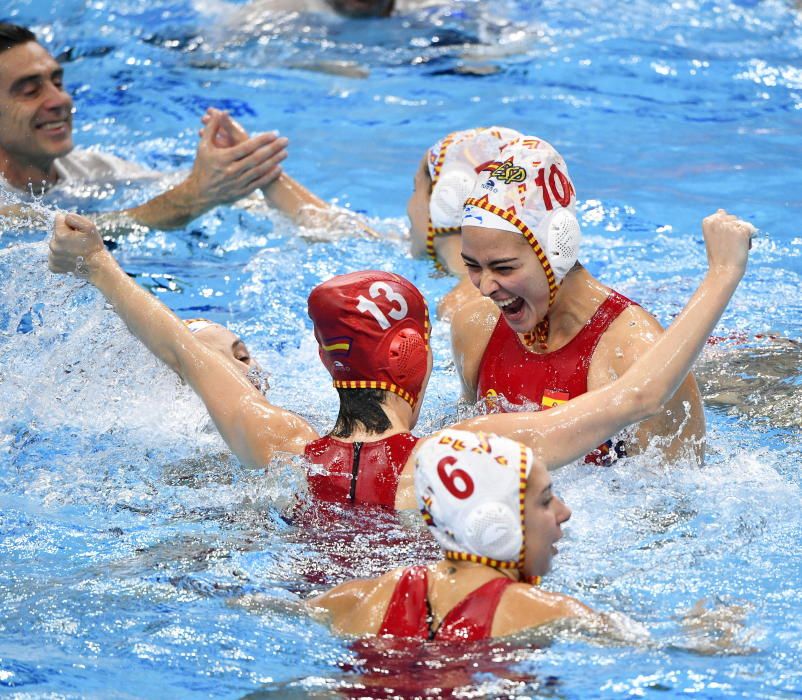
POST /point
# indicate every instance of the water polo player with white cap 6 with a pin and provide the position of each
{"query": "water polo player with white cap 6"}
(488, 499)
(489, 505)
(547, 331)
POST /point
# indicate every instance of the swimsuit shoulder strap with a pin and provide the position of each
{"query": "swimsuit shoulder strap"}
(472, 618)
(407, 612)
(584, 343)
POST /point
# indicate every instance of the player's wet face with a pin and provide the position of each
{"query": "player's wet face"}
(35, 109)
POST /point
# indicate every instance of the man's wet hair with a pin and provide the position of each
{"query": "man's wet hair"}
(12, 35)
(361, 408)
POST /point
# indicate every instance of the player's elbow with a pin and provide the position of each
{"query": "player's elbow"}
(643, 402)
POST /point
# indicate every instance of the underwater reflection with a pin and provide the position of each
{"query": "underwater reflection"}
(759, 378)
(387, 667)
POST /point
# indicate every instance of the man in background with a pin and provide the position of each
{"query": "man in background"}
(37, 152)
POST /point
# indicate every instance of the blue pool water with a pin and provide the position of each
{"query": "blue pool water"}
(137, 560)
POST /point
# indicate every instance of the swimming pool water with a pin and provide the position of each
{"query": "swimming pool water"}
(138, 560)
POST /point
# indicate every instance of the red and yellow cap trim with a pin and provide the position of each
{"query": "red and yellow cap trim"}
(437, 168)
(484, 203)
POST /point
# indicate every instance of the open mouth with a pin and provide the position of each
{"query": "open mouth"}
(511, 307)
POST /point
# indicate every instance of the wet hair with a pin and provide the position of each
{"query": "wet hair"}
(361, 408)
(12, 35)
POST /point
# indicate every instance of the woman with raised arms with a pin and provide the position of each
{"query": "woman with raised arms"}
(546, 330)
(488, 500)
(372, 329)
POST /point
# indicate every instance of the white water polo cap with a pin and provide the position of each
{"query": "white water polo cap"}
(530, 192)
(470, 489)
(455, 163)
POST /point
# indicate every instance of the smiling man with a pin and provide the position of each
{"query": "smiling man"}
(37, 151)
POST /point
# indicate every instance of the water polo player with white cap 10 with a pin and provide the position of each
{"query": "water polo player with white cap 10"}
(446, 177)
(488, 499)
(547, 331)
(256, 429)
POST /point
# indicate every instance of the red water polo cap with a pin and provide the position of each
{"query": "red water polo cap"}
(372, 329)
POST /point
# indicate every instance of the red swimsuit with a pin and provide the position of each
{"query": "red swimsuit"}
(508, 369)
(358, 472)
(470, 620)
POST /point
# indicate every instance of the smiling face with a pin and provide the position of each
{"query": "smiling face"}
(35, 114)
(504, 268)
(363, 8)
(544, 515)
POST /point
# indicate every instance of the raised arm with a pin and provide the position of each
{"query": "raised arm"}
(562, 434)
(220, 175)
(252, 427)
(285, 193)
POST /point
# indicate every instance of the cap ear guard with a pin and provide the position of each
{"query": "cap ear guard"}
(560, 237)
(407, 358)
(493, 529)
(448, 198)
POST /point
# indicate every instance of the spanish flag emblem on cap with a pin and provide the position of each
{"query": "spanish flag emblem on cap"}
(337, 346)
(552, 398)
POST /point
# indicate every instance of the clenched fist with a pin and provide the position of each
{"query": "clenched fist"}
(74, 244)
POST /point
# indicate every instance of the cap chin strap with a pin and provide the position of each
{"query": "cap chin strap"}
(430, 234)
(434, 173)
(561, 230)
(526, 232)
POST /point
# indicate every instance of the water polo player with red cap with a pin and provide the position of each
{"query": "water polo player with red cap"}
(372, 329)
(546, 330)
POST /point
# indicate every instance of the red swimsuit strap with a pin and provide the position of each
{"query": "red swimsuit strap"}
(407, 613)
(584, 343)
(472, 618)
